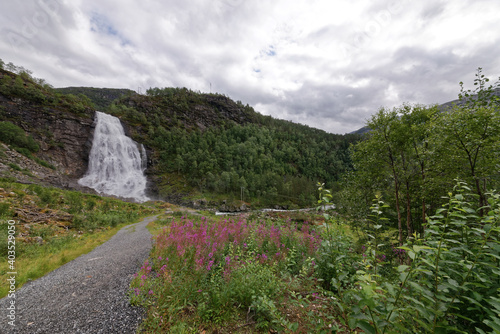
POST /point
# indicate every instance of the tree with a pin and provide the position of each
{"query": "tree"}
(415, 122)
(380, 154)
(468, 136)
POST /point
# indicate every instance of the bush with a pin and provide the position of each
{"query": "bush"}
(15, 166)
(47, 196)
(5, 209)
(13, 135)
(447, 282)
(4, 239)
(75, 201)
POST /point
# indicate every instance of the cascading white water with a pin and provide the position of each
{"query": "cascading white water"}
(116, 166)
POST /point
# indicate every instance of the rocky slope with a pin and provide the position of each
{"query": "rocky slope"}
(64, 138)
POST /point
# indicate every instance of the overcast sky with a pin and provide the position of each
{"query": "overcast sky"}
(329, 64)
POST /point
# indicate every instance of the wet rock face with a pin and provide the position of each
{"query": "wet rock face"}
(65, 139)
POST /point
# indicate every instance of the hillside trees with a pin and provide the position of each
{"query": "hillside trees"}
(414, 152)
(273, 163)
(17, 82)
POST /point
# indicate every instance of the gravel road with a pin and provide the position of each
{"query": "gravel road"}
(86, 295)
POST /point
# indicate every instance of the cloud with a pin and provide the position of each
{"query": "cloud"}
(325, 64)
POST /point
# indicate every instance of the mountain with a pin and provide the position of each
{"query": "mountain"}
(199, 146)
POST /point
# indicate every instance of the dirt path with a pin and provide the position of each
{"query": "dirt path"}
(86, 295)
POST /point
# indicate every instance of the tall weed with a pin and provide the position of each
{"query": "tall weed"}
(448, 282)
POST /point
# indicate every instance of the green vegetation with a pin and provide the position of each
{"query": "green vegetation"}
(13, 135)
(413, 154)
(227, 275)
(274, 164)
(419, 258)
(101, 98)
(55, 226)
(444, 281)
(269, 275)
(17, 82)
(237, 152)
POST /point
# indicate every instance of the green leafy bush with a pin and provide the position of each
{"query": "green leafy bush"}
(5, 209)
(448, 282)
(13, 135)
(47, 196)
(15, 166)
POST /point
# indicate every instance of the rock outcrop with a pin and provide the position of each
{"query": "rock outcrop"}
(65, 138)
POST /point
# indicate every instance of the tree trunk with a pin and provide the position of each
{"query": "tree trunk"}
(400, 227)
(424, 213)
(409, 226)
(482, 200)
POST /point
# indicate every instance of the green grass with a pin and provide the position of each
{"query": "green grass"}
(76, 224)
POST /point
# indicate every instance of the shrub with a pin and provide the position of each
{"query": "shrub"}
(15, 166)
(75, 201)
(47, 196)
(448, 282)
(5, 209)
(13, 135)
(4, 239)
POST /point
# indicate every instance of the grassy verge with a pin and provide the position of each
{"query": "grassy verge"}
(38, 260)
(53, 227)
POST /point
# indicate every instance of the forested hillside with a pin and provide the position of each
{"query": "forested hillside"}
(220, 147)
(100, 97)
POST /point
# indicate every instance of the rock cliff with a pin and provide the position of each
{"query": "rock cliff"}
(64, 137)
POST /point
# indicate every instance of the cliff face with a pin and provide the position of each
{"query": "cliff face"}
(64, 138)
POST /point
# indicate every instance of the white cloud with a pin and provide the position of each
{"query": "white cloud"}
(326, 64)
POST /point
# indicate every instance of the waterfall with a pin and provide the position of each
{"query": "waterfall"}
(116, 162)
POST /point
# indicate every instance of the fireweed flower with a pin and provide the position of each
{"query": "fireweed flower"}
(210, 264)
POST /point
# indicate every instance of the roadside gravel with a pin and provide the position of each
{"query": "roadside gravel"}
(86, 295)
